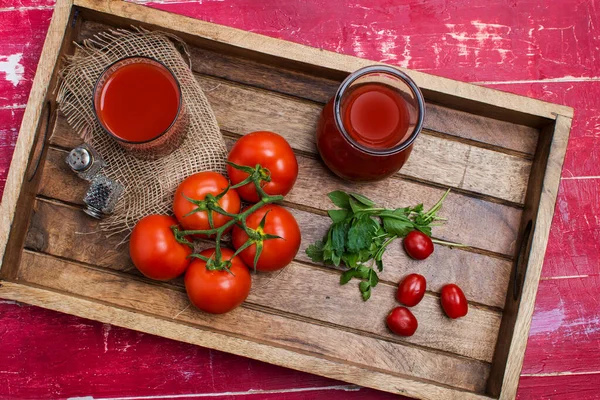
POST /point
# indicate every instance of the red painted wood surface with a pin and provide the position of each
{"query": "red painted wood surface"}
(526, 47)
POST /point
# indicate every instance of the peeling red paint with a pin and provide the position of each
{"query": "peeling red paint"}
(549, 53)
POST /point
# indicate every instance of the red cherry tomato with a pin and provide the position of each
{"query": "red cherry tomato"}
(402, 322)
(154, 250)
(196, 187)
(411, 290)
(272, 152)
(418, 245)
(276, 253)
(454, 301)
(217, 291)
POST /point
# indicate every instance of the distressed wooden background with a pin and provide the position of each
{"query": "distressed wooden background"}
(551, 52)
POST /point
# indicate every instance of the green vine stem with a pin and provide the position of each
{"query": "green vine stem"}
(210, 204)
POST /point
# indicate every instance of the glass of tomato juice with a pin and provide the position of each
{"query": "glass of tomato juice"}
(367, 130)
(138, 101)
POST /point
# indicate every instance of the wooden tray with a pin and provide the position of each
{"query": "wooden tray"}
(501, 154)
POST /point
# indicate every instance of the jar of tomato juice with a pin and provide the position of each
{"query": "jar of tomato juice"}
(367, 130)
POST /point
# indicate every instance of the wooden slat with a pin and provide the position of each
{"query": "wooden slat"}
(464, 213)
(486, 131)
(55, 227)
(322, 296)
(252, 325)
(176, 330)
(242, 109)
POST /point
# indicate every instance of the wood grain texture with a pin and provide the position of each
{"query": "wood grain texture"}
(169, 329)
(323, 298)
(315, 181)
(305, 337)
(541, 200)
(483, 131)
(437, 88)
(31, 120)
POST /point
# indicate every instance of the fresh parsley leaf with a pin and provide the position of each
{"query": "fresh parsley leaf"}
(373, 278)
(360, 234)
(339, 231)
(365, 290)
(338, 215)
(315, 251)
(363, 199)
(340, 199)
(347, 276)
(398, 225)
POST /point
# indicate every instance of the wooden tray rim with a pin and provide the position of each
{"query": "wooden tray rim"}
(562, 116)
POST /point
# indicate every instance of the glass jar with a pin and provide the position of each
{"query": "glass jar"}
(139, 103)
(367, 130)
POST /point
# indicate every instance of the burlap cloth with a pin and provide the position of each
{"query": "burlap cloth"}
(149, 185)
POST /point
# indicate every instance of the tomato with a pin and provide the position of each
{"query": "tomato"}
(411, 290)
(418, 245)
(217, 291)
(154, 250)
(402, 322)
(454, 301)
(276, 253)
(273, 153)
(197, 187)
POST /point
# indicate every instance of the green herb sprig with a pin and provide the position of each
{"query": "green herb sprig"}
(360, 232)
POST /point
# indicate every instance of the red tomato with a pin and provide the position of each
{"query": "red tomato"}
(402, 322)
(454, 301)
(418, 245)
(217, 291)
(276, 253)
(196, 187)
(154, 250)
(272, 152)
(411, 290)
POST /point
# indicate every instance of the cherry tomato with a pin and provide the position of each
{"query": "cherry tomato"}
(276, 253)
(454, 301)
(418, 245)
(402, 322)
(272, 152)
(411, 290)
(154, 250)
(217, 291)
(196, 187)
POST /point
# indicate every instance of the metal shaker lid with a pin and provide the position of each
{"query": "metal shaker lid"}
(79, 159)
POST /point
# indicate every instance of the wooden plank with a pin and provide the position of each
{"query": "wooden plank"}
(314, 182)
(167, 327)
(520, 300)
(485, 131)
(17, 193)
(567, 386)
(323, 298)
(55, 227)
(498, 104)
(242, 109)
(245, 323)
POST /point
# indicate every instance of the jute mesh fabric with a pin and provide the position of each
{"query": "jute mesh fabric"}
(149, 185)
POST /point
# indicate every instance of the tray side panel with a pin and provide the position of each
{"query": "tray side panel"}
(177, 331)
(19, 193)
(520, 300)
(493, 103)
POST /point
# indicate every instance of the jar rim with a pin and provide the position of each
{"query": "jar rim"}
(161, 64)
(397, 74)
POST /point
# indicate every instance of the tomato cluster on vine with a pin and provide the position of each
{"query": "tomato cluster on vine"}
(262, 168)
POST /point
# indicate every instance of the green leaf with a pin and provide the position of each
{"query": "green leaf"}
(315, 251)
(357, 206)
(338, 215)
(363, 200)
(418, 208)
(360, 234)
(364, 286)
(399, 226)
(340, 199)
(347, 276)
(339, 230)
(336, 259)
(373, 278)
(350, 259)
(363, 272)
(366, 295)
(379, 264)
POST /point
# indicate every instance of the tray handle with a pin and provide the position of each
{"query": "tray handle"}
(40, 146)
(518, 278)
